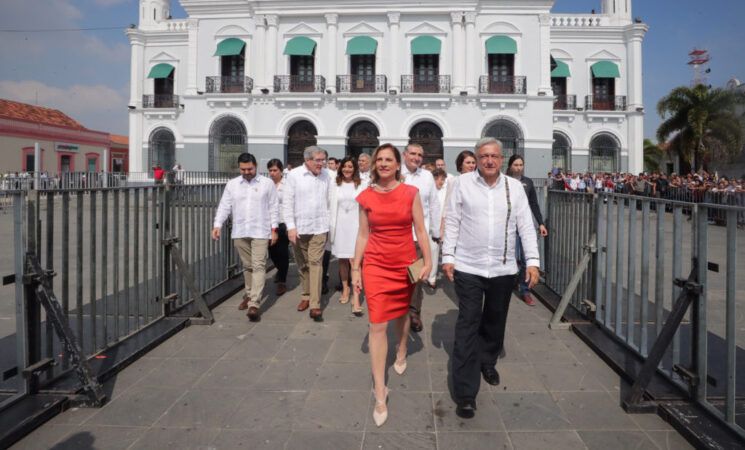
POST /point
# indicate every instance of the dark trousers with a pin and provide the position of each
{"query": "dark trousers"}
(326, 261)
(479, 331)
(280, 253)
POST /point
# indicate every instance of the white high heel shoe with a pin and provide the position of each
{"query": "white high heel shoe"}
(400, 366)
(380, 417)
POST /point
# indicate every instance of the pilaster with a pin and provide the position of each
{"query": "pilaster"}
(471, 46)
(394, 22)
(261, 80)
(331, 35)
(192, 55)
(272, 23)
(459, 50)
(544, 83)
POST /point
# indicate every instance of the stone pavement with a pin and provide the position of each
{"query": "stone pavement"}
(289, 382)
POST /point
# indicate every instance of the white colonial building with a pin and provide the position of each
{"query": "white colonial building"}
(274, 76)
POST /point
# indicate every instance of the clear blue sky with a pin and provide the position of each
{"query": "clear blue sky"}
(86, 74)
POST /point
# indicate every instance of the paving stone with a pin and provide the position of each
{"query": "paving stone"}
(334, 411)
(669, 440)
(439, 374)
(407, 411)
(103, 437)
(232, 374)
(594, 411)
(571, 376)
(415, 379)
(259, 410)
(288, 375)
(303, 440)
(176, 438)
(515, 377)
(73, 416)
(250, 439)
(375, 440)
(530, 411)
(201, 408)
(304, 350)
(199, 346)
(473, 440)
(344, 377)
(616, 440)
(225, 328)
(45, 436)
(554, 440)
(315, 331)
(255, 347)
(177, 373)
(348, 350)
(487, 418)
(139, 406)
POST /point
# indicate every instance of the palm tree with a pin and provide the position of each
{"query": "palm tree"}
(653, 154)
(700, 118)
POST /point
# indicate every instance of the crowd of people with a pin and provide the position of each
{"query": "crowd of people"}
(387, 219)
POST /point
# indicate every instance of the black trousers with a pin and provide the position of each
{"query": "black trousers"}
(479, 330)
(280, 253)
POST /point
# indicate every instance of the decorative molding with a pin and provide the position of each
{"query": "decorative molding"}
(272, 20)
(426, 28)
(229, 31)
(456, 17)
(332, 19)
(501, 28)
(164, 57)
(603, 55)
(394, 18)
(560, 54)
(470, 17)
(544, 19)
(303, 29)
(363, 29)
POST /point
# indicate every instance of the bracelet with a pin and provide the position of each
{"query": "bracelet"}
(355, 270)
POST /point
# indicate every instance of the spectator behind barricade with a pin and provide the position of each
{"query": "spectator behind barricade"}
(158, 174)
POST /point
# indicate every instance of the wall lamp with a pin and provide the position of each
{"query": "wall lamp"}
(265, 91)
(463, 93)
(392, 92)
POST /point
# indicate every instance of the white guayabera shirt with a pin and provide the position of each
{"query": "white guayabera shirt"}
(305, 201)
(254, 206)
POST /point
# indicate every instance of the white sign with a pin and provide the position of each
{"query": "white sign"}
(65, 147)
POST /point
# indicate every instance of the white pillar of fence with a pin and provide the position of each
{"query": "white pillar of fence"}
(37, 164)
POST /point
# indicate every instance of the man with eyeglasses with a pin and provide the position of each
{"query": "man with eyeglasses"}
(306, 215)
(487, 210)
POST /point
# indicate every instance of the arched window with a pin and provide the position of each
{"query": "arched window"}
(509, 135)
(162, 149)
(560, 152)
(429, 136)
(362, 138)
(227, 142)
(301, 134)
(604, 153)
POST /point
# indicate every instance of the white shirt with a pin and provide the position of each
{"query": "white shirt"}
(365, 177)
(280, 194)
(573, 184)
(423, 180)
(475, 227)
(254, 206)
(305, 201)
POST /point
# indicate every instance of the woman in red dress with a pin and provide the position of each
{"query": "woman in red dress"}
(385, 244)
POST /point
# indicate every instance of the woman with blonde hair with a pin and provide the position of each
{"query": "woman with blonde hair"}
(385, 244)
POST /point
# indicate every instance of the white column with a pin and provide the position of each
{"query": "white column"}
(394, 74)
(544, 65)
(259, 68)
(191, 74)
(459, 49)
(634, 62)
(272, 22)
(331, 28)
(471, 52)
(136, 157)
(136, 75)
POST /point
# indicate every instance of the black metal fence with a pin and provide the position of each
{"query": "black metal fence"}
(361, 83)
(229, 85)
(299, 83)
(502, 84)
(434, 84)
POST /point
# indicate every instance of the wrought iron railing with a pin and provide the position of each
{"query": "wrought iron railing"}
(435, 84)
(361, 83)
(502, 85)
(160, 101)
(605, 103)
(565, 102)
(299, 83)
(229, 85)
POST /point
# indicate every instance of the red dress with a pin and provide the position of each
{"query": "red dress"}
(390, 250)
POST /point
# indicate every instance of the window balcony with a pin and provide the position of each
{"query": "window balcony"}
(361, 83)
(229, 85)
(436, 84)
(160, 101)
(502, 85)
(299, 83)
(565, 102)
(605, 103)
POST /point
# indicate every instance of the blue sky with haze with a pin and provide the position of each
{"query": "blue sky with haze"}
(86, 74)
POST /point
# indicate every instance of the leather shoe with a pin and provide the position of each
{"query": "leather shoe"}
(253, 314)
(416, 324)
(490, 374)
(528, 300)
(304, 304)
(281, 288)
(244, 303)
(465, 409)
(316, 314)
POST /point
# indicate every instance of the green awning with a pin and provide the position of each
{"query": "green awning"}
(605, 69)
(362, 45)
(501, 45)
(300, 46)
(553, 63)
(230, 47)
(426, 45)
(161, 71)
(561, 70)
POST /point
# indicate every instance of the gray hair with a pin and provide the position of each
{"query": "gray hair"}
(486, 141)
(363, 155)
(313, 149)
(413, 144)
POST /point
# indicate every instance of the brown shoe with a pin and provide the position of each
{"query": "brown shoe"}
(303, 305)
(253, 314)
(416, 324)
(281, 288)
(528, 300)
(244, 303)
(316, 314)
